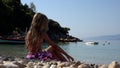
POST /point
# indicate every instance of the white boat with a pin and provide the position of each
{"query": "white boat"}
(91, 43)
(11, 41)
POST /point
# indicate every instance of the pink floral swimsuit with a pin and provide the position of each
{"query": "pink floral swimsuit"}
(43, 55)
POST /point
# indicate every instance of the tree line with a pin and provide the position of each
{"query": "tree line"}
(13, 14)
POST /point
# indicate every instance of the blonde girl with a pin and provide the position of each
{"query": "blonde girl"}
(35, 37)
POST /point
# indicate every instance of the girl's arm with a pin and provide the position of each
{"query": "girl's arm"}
(56, 47)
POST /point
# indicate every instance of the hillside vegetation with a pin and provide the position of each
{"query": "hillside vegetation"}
(14, 16)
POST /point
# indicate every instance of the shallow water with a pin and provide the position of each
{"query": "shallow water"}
(99, 54)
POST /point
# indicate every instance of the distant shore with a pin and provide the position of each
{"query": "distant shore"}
(15, 62)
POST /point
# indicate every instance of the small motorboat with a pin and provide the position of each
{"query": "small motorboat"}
(91, 43)
(11, 41)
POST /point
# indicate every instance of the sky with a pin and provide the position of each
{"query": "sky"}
(85, 18)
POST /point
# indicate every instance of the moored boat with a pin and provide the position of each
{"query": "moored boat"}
(91, 43)
(11, 41)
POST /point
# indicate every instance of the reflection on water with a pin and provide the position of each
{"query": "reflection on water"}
(91, 54)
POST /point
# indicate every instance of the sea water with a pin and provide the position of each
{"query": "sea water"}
(103, 53)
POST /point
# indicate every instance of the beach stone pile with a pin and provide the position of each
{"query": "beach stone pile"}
(24, 63)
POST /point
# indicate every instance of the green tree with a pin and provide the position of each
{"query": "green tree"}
(32, 7)
(14, 14)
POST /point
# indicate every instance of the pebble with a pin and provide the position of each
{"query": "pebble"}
(84, 66)
(12, 62)
(114, 64)
(8, 64)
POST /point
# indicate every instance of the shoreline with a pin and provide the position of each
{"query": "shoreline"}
(16, 62)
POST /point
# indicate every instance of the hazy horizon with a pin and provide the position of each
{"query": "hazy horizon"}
(85, 18)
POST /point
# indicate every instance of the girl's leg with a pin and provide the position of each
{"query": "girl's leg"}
(56, 54)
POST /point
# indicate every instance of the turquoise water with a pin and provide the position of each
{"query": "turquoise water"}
(99, 54)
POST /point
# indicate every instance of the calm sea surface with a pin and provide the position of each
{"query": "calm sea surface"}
(103, 53)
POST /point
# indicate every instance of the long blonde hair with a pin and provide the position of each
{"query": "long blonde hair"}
(37, 27)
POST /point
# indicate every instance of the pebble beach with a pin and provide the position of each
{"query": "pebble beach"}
(14, 62)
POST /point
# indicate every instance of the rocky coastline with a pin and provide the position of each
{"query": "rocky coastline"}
(15, 62)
